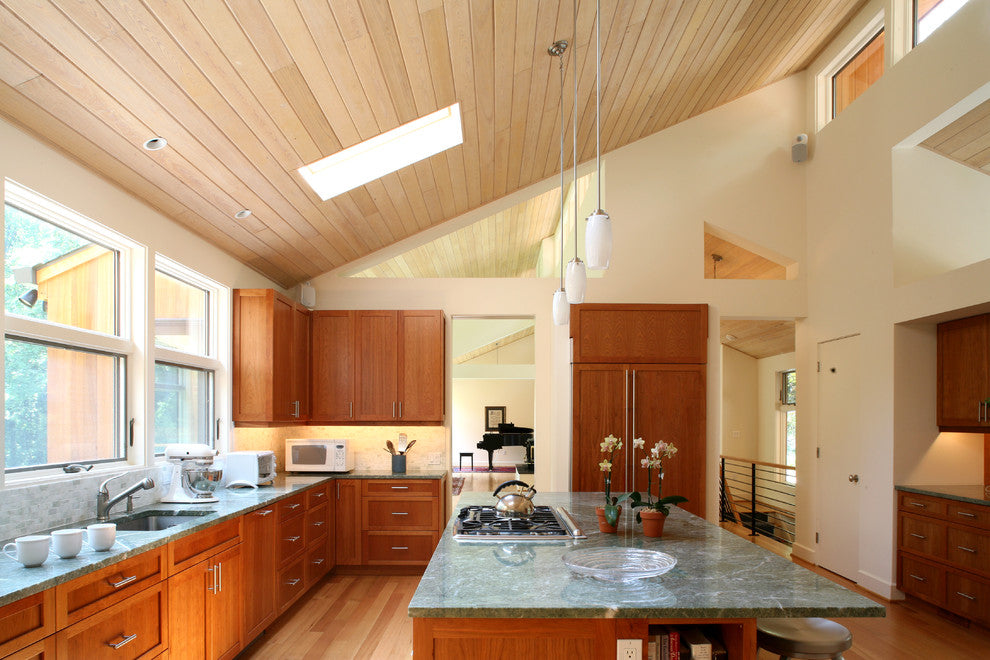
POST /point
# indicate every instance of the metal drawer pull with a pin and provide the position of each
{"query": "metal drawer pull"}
(317, 561)
(125, 640)
(292, 506)
(293, 582)
(918, 536)
(319, 494)
(918, 578)
(965, 549)
(400, 487)
(966, 595)
(264, 513)
(318, 523)
(293, 539)
(126, 580)
(213, 570)
(923, 506)
(966, 513)
(399, 513)
(219, 576)
(400, 547)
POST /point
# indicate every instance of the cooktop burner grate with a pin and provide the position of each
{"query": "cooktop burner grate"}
(482, 523)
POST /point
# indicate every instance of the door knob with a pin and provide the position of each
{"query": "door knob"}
(854, 478)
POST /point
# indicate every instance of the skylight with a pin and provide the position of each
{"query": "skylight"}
(386, 153)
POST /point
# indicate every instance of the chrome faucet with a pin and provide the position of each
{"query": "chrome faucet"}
(104, 502)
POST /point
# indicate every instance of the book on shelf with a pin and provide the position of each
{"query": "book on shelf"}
(694, 644)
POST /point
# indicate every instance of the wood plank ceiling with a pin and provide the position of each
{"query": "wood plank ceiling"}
(758, 339)
(966, 140)
(246, 91)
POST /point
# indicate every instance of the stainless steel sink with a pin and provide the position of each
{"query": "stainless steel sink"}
(154, 521)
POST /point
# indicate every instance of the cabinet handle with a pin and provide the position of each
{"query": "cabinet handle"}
(400, 487)
(918, 536)
(921, 504)
(213, 570)
(399, 513)
(337, 484)
(293, 539)
(319, 494)
(350, 409)
(393, 409)
(317, 561)
(966, 513)
(126, 580)
(125, 640)
(966, 595)
(400, 410)
(318, 523)
(965, 549)
(219, 576)
(918, 578)
(295, 409)
(292, 506)
(293, 582)
(400, 547)
(264, 513)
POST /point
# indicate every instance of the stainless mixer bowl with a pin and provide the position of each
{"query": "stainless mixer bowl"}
(201, 479)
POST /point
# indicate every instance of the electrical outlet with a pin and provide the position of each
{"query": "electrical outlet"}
(434, 458)
(629, 649)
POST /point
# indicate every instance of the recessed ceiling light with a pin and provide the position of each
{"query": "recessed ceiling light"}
(243, 213)
(386, 153)
(155, 143)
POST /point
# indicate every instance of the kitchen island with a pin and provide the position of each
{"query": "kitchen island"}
(492, 599)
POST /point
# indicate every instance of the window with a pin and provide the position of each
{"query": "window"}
(66, 350)
(857, 74)
(930, 14)
(183, 405)
(787, 414)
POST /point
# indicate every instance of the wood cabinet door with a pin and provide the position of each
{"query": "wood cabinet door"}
(668, 403)
(963, 376)
(187, 596)
(376, 366)
(252, 355)
(655, 334)
(258, 552)
(224, 605)
(421, 366)
(332, 366)
(283, 409)
(332, 505)
(348, 522)
(300, 394)
(600, 409)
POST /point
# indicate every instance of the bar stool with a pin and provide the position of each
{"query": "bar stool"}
(812, 638)
(460, 461)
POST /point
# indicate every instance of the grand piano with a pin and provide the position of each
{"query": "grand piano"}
(509, 435)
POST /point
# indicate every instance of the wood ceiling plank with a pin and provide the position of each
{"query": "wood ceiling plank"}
(459, 37)
(386, 212)
(412, 44)
(366, 64)
(945, 140)
(402, 214)
(482, 44)
(386, 45)
(808, 45)
(758, 339)
(434, 29)
(624, 57)
(583, 66)
(504, 25)
(522, 70)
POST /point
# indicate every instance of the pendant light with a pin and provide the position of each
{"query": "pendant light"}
(561, 308)
(598, 232)
(577, 278)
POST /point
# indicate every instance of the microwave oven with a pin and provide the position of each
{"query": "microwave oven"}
(318, 455)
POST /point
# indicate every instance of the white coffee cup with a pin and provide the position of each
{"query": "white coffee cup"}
(101, 536)
(67, 542)
(29, 550)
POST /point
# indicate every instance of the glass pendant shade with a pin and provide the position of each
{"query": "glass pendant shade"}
(561, 308)
(598, 240)
(576, 281)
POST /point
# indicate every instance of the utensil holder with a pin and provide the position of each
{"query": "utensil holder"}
(398, 464)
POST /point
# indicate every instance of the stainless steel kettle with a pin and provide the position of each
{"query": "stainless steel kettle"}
(515, 504)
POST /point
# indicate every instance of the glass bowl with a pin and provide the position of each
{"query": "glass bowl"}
(618, 564)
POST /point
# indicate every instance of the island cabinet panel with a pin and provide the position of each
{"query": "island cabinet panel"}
(376, 364)
(348, 524)
(258, 549)
(660, 334)
(964, 374)
(333, 373)
(26, 621)
(136, 627)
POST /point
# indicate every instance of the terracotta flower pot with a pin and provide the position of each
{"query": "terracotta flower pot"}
(603, 525)
(652, 522)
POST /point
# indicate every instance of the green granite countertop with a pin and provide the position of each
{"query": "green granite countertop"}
(718, 574)
(16, 581)
(975, 494)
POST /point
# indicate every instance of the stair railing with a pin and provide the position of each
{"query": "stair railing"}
(758, 495)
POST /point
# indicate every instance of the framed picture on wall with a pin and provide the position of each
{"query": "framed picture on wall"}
(494, 415)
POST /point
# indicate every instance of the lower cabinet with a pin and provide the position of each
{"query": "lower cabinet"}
(204, 607)
(26, 621)
(133, 628)
(259, 579)
(40, 650)
(348, 527)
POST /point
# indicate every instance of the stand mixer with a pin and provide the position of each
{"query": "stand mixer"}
(193, 476)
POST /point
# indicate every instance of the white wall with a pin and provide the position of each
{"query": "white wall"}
(851, 286)
(767, 395)
(740, 417)
(470, 396)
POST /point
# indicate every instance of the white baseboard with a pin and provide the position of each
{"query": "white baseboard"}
(879, 586)
(803, 552)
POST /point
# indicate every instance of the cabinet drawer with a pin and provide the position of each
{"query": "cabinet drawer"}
(317, 524)
(40, 650)
(291, 539)
(194, 548)
(969, 514)
(317, 563)
(968, 595)
(399, 548)
(400, 487)
(921, 504)
(969, 549)
(924, 580)
(76, 600)
(26, 620)
(924, 536)
(316, 496)
(400, 514)
(291, 584)
(291, 507)
(136, 625)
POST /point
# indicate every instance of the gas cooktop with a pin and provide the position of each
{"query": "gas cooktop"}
(482, 523)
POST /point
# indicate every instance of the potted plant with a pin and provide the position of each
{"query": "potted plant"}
(654, 513)
(608, 515)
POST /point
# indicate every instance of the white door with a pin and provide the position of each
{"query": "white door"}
(839, 440)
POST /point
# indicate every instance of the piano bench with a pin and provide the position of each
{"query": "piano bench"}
(460, 461)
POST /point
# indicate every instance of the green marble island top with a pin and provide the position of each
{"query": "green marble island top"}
(718, 575)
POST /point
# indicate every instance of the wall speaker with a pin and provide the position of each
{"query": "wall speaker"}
(799, 150)
(307, 295)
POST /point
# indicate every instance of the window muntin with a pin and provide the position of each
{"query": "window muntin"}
(787, 416)
(930, 14)
(858, 73)
(63, 405)
(184, 406)
(788, 387)
(182, 315)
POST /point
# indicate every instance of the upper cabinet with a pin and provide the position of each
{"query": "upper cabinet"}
(333, 365)
(270, 356)
(654, 334)
(964, 374)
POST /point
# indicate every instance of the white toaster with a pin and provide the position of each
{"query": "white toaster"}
(249, 468)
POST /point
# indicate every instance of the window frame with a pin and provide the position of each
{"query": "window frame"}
(824, 90)
(783, 408)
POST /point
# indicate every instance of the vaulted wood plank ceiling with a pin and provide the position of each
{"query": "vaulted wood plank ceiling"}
(966, 140)
(247, 91)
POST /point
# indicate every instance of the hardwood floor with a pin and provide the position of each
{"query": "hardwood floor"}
(365, 617)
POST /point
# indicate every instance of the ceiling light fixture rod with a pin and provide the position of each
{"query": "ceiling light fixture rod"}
(577, 278)
(561, 310)
(598, 231)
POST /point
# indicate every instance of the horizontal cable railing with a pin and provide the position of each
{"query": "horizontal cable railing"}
(759, 496)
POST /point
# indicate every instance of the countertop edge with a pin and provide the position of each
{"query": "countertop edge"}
(642, 613)
(942, 491)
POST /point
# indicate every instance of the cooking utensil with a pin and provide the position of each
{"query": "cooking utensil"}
(403, 443)
(391, 447)
(408, 447)
(516, 504)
